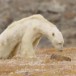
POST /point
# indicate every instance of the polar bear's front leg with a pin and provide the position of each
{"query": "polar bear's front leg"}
(25, 49)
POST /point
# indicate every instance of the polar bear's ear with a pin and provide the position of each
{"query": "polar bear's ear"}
(53, 34)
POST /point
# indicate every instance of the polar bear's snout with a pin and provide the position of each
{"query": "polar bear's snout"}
(59, 46)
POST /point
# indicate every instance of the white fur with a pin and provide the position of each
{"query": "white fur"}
(21, 36)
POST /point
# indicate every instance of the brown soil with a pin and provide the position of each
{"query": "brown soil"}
(49, 62)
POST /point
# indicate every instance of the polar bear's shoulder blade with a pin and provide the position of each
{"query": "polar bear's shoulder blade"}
(37, 16)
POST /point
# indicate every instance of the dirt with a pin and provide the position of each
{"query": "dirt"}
(43, 65)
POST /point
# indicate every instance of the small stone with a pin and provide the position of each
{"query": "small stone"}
(60, 58)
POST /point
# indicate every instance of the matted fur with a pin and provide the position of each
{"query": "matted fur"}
(23, 35)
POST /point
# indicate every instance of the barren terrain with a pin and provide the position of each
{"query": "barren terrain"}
(43, 65)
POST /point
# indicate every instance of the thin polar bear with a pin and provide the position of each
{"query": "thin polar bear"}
(21, 36)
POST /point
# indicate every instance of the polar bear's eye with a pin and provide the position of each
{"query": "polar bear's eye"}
(53, 34)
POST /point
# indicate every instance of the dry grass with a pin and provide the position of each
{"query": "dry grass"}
(43, 65)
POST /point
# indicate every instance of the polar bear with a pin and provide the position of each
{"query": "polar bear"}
(21, 36)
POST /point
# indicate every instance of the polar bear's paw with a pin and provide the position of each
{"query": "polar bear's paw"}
(3, 56)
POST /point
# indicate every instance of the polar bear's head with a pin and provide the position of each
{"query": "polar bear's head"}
(56, 38)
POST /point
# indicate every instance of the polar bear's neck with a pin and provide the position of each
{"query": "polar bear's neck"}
(41, 27)
(45, 28)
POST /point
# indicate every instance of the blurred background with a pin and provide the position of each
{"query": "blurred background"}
(60, 12)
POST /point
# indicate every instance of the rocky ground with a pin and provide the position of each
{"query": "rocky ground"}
(60, 12)
(49, 62)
